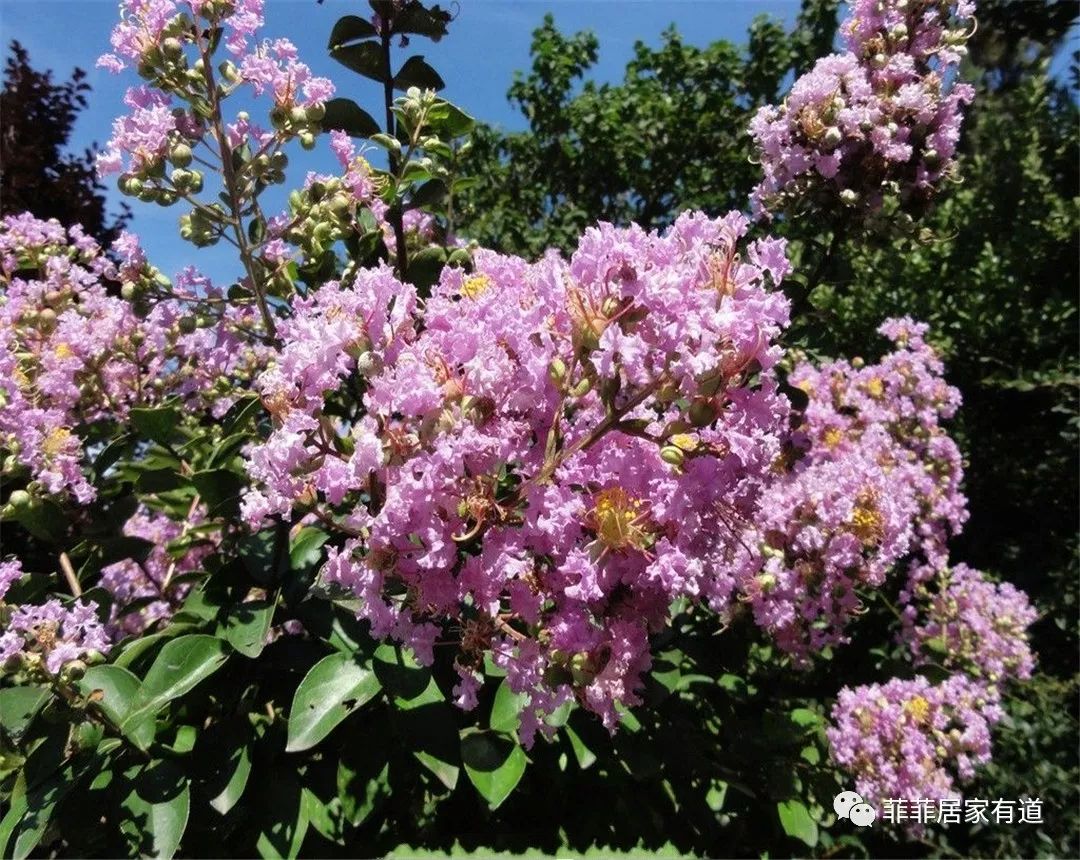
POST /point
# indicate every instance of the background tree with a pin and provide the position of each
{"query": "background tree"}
(632, 151)
(37, 173)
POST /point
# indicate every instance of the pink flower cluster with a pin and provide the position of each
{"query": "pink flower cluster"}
(148, 591)
(913, 739)
(541, 468)
(49, 635)
(71, 354)
(884, 117)
(968, 623)
(873, 479)
(157, 35)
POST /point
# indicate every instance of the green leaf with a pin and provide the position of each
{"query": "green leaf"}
(31, 806)
(219, 488)
(585, 756)
(429, 194)
(796, 821)
(365, 58)
(19, 705)
(506, 710)
(417, 73)
(806, 718)
(306, 547)
(347, 116)
(399, 672)
(494, 765)
(418, 18)
(350, 28)
(115, 688)
(180, 666)
(453, 122)
(425, 267)
(431, 735)
(157, 807)
(333, 688)
(236, 770)
(286, 822)
(156, 423)
(247, 626)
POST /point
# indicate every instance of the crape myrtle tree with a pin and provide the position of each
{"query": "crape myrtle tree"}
(37, 173)
(397, 539)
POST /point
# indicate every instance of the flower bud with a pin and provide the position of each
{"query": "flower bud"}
(832, 137)
(673, 456)
(582, 388)
(172, 48)
(20, 500)
(307, 140)
(180, 155)
(315, 112)
(849, 197)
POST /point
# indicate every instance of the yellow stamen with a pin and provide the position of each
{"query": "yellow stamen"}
(918, 708)
(832, 437)
(56, 441)
(63, 350)
(476, 286)
(875, 387)
(867, 523)
(616, 518)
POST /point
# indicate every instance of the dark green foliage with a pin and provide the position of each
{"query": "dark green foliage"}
(671, 136)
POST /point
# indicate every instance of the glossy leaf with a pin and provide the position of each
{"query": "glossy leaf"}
(335, 687)
(157, 809)
(417, 73)
(347, 116)
(349, 28)
(796, 821)
(180, 666)
(365, 58)
(493, 764)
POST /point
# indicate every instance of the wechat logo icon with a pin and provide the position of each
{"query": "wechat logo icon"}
(850, 805)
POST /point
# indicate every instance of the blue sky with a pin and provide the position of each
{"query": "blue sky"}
(488, 41)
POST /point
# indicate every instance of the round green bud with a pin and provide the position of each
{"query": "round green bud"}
(315, 112)
(20, 500)
(128, 291)
(181, 155)
(195, 184)
(172, 48)
(340, 206)
(186, 325)
(279, 117)
(307, 140)
(673, 456)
